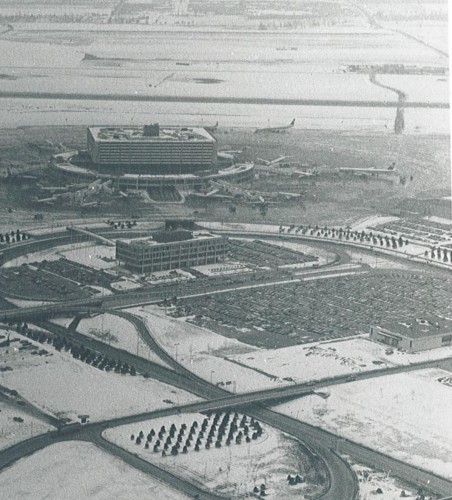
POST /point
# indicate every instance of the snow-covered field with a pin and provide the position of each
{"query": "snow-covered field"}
(362, 120)
(419, 87)
(232, 470)
(375, 261)
(405, 415)
(246, 368)
(330, 358)
(203, 351)
(76, 470)
(118, 332)
(87, 253)
(12, 432)
(370, 480)
(65, 387)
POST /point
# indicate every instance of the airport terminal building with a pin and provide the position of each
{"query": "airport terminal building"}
(171, 250)
(152, 149)
(415, 334)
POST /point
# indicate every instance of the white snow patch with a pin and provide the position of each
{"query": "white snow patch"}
(118, 332)
(65, 387)
(230, 470)
(27, 303)
(125, 284)
(74, 470)
(406, 415)
(203, 352)
(64, 322)
(12, 432)
(332, 358)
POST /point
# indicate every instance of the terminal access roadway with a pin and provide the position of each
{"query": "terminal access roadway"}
(343, 482)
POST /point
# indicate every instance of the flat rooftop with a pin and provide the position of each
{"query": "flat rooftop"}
(136, 134)
(147, 242)
(419, 327)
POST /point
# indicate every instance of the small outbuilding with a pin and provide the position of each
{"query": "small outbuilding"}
(414, 335)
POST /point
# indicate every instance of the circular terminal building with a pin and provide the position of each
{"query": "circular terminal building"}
(150, 157)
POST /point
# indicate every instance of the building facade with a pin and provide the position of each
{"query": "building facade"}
(415, 334)
(178, 249)
(152, 149)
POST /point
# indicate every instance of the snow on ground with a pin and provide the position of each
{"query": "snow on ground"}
(169, 276)
(230, 470)
(59, 384)
(64, 322)
(91, 254)
(12, 432)
(324, 257)
(406, 415)
(370, 480)
(203, 352)
(331, 358)
(118, 332)
(413, 251)
(125, 284)
(74, 470)
(376, 261)
(439, 220)
(88, 253)
(27, 303)
(222, 269)
(420, 88)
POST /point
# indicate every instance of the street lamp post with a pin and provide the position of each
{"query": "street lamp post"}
(175, 345)
(211, 373)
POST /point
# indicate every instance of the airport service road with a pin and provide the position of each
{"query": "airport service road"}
(152, 470)
(25, 406)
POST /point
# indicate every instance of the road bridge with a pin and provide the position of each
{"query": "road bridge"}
(92, 235)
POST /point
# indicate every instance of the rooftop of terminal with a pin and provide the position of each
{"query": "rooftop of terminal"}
(150, 133)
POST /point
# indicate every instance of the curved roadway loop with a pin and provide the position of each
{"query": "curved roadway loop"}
(343, 483)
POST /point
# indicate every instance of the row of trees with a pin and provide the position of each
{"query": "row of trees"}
(347, 234)
(78, 352)
(14, 237)
(443, 254)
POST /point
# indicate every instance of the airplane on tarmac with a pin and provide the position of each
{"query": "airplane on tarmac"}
(369, 171)
(80, 197)
(276, 129)
(273, 162)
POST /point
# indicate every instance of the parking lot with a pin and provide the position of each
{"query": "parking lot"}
(298, 313)
(261, 253)
(430, 232)
(29, 282)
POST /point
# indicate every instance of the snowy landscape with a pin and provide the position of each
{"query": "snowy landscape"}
(305, 351)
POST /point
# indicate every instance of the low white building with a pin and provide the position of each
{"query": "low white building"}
(419, 334)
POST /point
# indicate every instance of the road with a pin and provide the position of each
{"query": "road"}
(343, 481)
(220, 100)
(309, 435)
